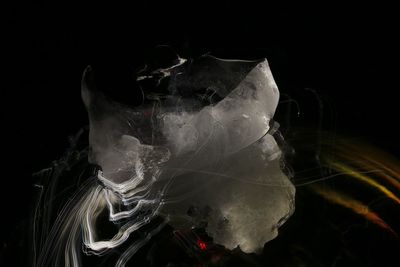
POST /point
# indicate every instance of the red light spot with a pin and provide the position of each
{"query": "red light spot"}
(202, 244)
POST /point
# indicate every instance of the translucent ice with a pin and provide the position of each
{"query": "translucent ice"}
(200, 155)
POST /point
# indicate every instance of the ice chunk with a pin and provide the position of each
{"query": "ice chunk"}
(206, 144)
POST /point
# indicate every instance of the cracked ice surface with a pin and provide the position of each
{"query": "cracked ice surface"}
(206, 146)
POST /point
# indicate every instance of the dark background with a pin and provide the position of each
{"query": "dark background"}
(347, 54)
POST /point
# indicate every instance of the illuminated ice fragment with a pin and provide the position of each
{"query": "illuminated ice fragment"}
(206, 147)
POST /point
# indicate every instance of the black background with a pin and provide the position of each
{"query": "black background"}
(347, 54)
